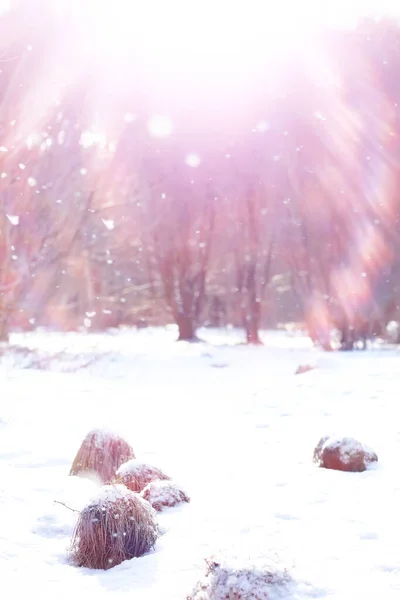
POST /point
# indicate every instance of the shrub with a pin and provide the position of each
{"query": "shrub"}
(161, 494)
(343, 454)
(101, 453)
(136, 475)
(117, 525)
(223, 581)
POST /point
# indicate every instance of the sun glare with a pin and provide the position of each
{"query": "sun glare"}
(160, 126)
(218, 30)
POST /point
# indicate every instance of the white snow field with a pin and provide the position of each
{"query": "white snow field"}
(236, 429)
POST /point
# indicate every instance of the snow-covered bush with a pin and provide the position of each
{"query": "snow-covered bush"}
(100, 454)
(136, 475)
(164, 493)
(116, 525)
(303, 369)
(229, 580)
(343, 454)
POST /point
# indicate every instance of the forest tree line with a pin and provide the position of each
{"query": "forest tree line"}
(272, 198)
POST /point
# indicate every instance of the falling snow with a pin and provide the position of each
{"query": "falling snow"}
(193, 160)
(109, 223)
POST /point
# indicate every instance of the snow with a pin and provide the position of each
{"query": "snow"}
(109, 223)
(109, 494)
(240, 438)
(135, 467)
(14, 219)
(103, 436)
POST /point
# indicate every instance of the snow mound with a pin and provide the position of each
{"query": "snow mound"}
(224, 580)
(163, 494)
(136, 475)
(343, 454)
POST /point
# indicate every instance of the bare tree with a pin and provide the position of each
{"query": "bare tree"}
(180, 238)
(253, 247)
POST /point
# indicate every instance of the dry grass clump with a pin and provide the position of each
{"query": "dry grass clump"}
(136, 475)
(117, 525)
(343, 454)
(230, 580)
(162, 494)
(101, 453)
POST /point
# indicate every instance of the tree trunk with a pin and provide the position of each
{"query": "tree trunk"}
(187, 329)
(252, 323)
(4, 333)
(347, 338)
(252, 336)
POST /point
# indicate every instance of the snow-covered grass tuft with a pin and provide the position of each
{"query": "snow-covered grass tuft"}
(116, 525)
(164, 494)
(230, 579)
(136, 475)
(101, 454)
(343, 454)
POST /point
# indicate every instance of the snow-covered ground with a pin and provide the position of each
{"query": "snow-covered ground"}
(236, 428)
